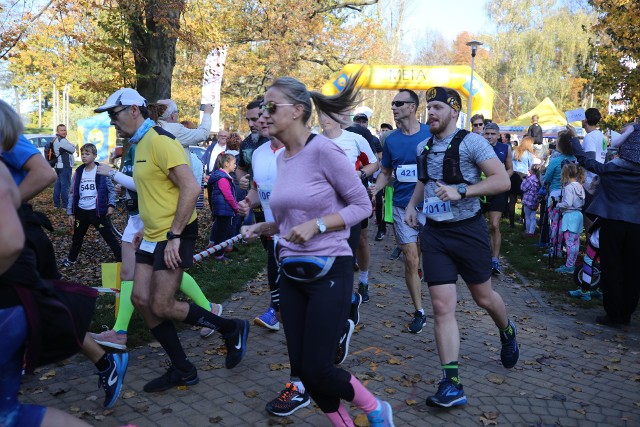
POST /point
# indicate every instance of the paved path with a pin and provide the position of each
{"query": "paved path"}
(572, 372)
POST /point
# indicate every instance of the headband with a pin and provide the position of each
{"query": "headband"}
(439, 94)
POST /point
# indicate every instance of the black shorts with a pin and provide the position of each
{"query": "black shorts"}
(456, 248)
(497, 203)
(187, 247)
(364, 224)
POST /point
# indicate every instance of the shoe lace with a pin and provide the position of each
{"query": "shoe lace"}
(289, 391)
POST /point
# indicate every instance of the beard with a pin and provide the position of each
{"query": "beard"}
(255, 136)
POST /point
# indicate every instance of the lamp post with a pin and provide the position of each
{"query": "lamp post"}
(473, 44)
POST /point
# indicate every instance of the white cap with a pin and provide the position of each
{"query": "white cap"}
(125, 96)
(362, 110)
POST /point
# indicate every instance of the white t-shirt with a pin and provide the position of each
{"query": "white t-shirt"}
(594, 142)
(88, 191)
(356, 148)
(264, 165)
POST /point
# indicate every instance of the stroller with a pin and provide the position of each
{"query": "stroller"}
(587, 272)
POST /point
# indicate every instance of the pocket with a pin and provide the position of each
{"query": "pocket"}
(306, 268)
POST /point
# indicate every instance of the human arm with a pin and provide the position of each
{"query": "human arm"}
(67, 146)
(11, 233)
(71, 193)
(383, 179)
(508, 164)
(125, 180)
(111, 194)
(189, 190)
(225, 189)
(617, 140)
(39, 176)
(410, 213)
(251, 200)
(590, 164)
(497, 181)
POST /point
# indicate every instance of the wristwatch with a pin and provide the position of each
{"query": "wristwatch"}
(171, 235)
(322, 228)
(462, 190)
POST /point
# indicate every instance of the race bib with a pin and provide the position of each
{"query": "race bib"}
(264, 193)
(147, 246)
(407, 173)
(437, 210)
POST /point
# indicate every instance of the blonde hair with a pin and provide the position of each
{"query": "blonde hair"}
(525, 145)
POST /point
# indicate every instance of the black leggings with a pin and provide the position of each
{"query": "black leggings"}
(85, 218)
(314, 315)
(220, 231)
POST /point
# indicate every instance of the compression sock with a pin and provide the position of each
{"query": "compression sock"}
(125, 308)
(364, 277)
(362, 398)
(103, 363)
(167, 336)
(450, 372)
(198, 316)
(190, 288)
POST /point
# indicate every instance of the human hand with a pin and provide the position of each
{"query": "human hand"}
(411, 216)
(571, 131)
(447, 192)
(172, 254)
(251, 232)
(243, 207)
(104, 169)
(71, 220)
(245, 182)
(302, 233)
(208, 109)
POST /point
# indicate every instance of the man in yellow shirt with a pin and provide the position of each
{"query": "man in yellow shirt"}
(167, 194)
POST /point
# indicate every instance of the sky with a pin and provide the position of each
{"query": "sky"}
(449, 17)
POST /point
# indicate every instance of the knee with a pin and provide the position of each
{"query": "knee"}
(494, 227)
(140, 302)
(442, 308)
(161, 309)
(484, 301)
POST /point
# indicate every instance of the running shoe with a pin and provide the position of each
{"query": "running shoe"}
(396, 253)
(510, 352)
(236, 343)
(418, 322)
(354, 314)
(343, 343)
(578, 293)
(565, 270)
(172, 378)
(111, 380)
(363, 290)
(382, 417)
(111, 339)
(268, 320)
(66, 263)
(596, 293)
(448, 395)
(288, 402)
(380, 235)
(217, 310)
(495, 267)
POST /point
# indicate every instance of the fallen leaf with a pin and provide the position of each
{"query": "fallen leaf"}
(361, 421)
(154, 344)
(411, 402)
(393, 361)
(388, 323)
(380, 305)
(91, 398)
(278, 366)
(489, 419)
(612, 367)
(495, 379)
(576, 389)
(129, 394)
(49, 374)
(165, 411)
(251, 393)
(390, 390)
(215, 420)
(581, 411)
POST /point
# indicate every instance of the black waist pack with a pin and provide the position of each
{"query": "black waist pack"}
(306, 268)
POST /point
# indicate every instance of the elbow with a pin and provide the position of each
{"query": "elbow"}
(505, 183)
(51, 177)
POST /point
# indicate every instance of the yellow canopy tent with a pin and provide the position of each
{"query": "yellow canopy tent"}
(549, 118)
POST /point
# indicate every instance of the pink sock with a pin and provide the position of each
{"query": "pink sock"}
(340, 418)
(362, 397)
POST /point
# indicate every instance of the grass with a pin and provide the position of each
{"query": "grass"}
(527, 259)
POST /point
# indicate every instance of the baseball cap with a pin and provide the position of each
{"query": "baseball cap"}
(360, 116)
(125, 96)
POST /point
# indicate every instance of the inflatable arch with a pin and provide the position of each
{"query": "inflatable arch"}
(417, 78)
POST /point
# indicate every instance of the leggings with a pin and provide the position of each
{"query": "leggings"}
(85, 218)
(572, 241)
(314, 315)
(220, 231)
(555, 237)
(13, 332)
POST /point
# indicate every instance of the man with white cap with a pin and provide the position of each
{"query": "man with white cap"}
(167, 193)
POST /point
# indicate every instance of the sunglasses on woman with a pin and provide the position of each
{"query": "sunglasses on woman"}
(271, 107)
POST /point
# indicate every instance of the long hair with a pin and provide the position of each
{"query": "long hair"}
(572, 171)
(156, 110)
(564, 143)
(525, 145)
(10, 126)
(223, 159)
(296, 92)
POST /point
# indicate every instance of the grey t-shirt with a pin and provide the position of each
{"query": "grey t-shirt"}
(474, 149)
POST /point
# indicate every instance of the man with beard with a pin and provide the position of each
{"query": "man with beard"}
(455, 239)
(399, 157)
(248, 146)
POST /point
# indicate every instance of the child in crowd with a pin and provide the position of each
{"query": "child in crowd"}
(531, 199)
(571, 209)
(223, 201)
(91, 202)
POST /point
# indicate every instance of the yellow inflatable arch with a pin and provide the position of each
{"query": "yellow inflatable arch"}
(417, 78)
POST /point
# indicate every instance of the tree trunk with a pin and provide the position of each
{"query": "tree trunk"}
(153, 28)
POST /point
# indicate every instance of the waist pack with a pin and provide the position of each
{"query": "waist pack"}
(306, 268)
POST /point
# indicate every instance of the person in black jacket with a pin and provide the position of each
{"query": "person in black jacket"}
(535, 131)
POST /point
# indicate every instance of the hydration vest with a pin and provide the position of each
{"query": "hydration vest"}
(451, 172)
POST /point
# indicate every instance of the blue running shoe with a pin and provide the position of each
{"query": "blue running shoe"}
(268, 320)
(495, 267)
(510, 352)
(382, 417)
(236, 344)
(448, 395)
(111, 379)
(565, 270)
(577, 293)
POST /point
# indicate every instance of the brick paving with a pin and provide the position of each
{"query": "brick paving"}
(572, 372)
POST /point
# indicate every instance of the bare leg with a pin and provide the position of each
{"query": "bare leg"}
(494, 230)
(484, 295)
(411, 264)
(91, 349)
(443, 300)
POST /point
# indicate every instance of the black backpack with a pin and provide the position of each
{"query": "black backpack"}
(50, 154)
(451, 163)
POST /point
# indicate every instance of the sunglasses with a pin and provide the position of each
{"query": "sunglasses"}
(477, 125)
(114, 114)
(400, 103)
(271, 107)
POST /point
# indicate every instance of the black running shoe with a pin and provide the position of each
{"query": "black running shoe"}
(343, 344)
(510, 352)
(380, 235)
(172, 378)
(236, 343)
(288, 402)
(396, 253)
(363, 290)
(354, 314)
